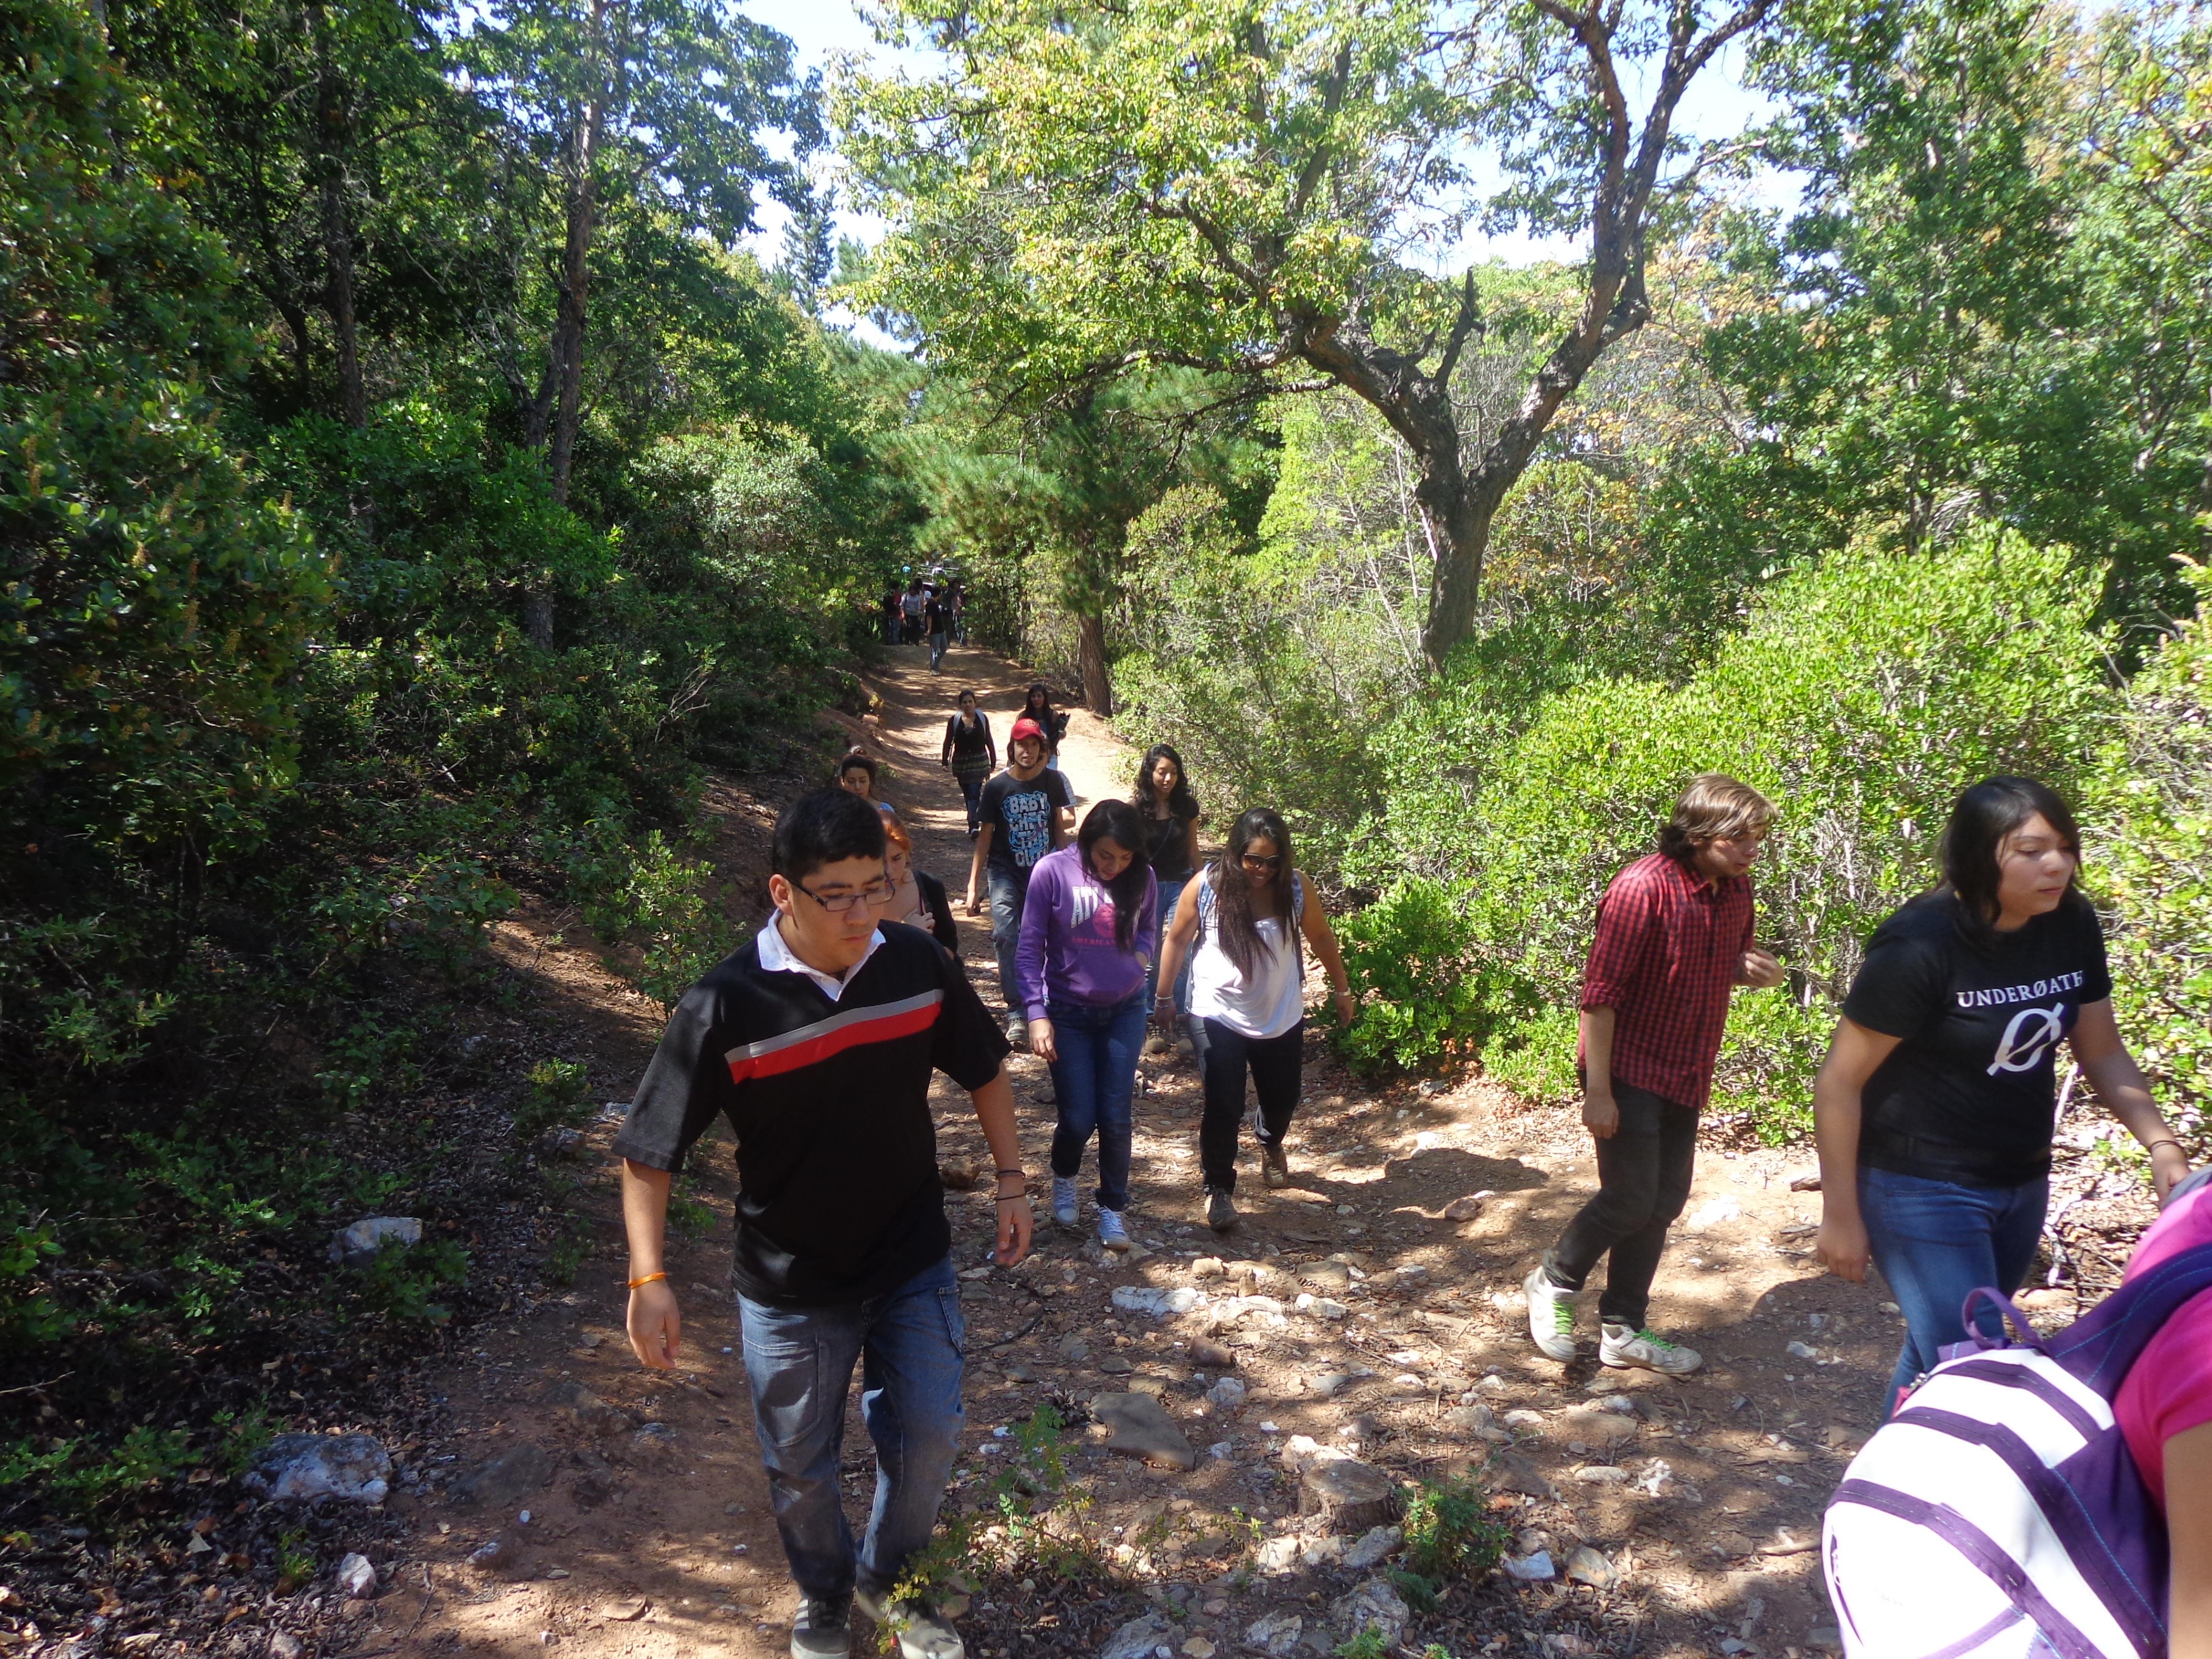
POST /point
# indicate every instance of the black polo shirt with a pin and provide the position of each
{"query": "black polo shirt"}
(838, 1197)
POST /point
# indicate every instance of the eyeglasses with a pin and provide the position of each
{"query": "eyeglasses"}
(1254, 861)
(842, 904)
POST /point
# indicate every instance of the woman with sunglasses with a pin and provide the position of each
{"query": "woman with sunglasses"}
(1243, 924)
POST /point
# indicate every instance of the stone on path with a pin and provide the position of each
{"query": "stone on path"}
(1376, 1606)
(1586, 1566)
(1534, 1568)
(1349, 1496)
(357, 1578)
(1373, 1548)
(1140, 1638)
(357, 1246)
(1510, 1471)
(350, 1467)
(1275, 1634)
(1140, 1426)
(513, 1473)
(1465, 1209)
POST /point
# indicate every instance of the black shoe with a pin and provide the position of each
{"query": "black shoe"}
(823, 1629)
(1219, 1213)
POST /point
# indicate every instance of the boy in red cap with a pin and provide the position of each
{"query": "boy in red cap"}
(1025, 813)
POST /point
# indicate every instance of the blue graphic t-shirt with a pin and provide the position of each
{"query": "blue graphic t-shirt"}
(1020, 817)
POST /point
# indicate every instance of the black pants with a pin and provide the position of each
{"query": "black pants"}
(1644, 1179)
(1275, 1064)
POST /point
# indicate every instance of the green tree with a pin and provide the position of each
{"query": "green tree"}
(1083, 192)
(658, 104)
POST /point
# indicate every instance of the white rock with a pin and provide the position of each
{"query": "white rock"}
(1275, 1635)
(1280, 1554)
(357, 1578)
(1533, 1568)
(1427, 1141)
(1712, 1214)
(1602, 1474)
(1373, 1548)
(1328, 1308)
(1140, 1638)
(1158, 1302)
(359, 1244)
(1657, 1478)
(1800, 1351)
(1376, 1606)
(351, 1467)
(1321, 1551)
(1522, 1417)
(1221, 1449)
(1207, 1266)
(283, 1644)
(1228, 1393)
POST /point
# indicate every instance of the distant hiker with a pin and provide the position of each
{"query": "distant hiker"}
(959, 596)
(937, 627)
(971, 752)
(1936, 1106)
(816, 1041)
(1036, 705)
(1674, 939)
(1242, 924)
(1088, 931)
(856, 776)
(910, 609)
(893, 615)
(1170, 814)
(1024, 814)
(917, 898)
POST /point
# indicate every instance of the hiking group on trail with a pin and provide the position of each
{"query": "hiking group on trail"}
(1935, 1111)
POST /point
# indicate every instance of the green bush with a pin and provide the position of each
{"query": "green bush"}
(1409, 955)
(1450, 1533)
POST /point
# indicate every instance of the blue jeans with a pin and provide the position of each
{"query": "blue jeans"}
(1936, 1240)
(800, 1363)
(1008, 895)
(1171, 890)
(937, 644)
(1094, 1080)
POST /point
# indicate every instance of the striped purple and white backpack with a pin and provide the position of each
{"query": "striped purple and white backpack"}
(1998, 1514)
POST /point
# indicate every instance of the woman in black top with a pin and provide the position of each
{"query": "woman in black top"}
(1170, 814)
(971, 752)
(1936, 1107)
(918, 898)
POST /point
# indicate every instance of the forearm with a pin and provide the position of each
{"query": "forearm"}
(994, 1112)
(645, 1215)
(1598, 1050)
(2120, 1084)
(976, 863)
(1836, 1116)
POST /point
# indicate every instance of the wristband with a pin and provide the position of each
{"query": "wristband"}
(1012, 1198)
(647, 1279)
(1024, 1174)
(2165, 1140)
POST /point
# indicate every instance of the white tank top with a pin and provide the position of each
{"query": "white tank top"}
(1274, 1000)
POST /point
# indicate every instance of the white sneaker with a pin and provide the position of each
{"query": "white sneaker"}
(1551, 1315)
(1111, 1233)
(1064, 1202)
(1624, 1348)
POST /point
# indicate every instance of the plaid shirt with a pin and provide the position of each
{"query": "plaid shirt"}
(1664, 960)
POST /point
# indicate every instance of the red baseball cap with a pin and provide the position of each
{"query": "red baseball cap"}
(1025, 727)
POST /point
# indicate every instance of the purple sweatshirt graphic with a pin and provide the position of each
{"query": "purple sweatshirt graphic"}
(1066, 952)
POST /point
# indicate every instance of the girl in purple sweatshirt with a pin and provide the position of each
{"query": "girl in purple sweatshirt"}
(1088, 936)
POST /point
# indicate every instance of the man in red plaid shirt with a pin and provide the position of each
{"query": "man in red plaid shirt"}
(1673, 939)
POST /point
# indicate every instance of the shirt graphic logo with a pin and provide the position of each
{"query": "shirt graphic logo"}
(2032, 1035)
(1029, 826)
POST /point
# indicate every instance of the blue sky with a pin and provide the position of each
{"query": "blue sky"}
(1717, 106)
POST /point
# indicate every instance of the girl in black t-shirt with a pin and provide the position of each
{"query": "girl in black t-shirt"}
(1170, 814)
(1936, 1106)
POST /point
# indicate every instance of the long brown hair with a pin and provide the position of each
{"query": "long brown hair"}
(1238, 934)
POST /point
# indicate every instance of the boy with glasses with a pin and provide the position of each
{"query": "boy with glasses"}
(1673, 939)
(818, 1041)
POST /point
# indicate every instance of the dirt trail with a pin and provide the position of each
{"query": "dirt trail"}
(1702, 1505)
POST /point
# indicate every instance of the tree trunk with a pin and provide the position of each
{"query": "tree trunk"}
(1098, 675)
(333, 139)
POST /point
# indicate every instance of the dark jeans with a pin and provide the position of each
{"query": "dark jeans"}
(1094, 1080)
(1643, 1171)
(937, 644)
(1008, 896)
(971, 791)
(1936, 1240)
(1171, 895)
(799, 1364)
(1275, 1064)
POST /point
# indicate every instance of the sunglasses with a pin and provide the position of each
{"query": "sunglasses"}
(1256, 861)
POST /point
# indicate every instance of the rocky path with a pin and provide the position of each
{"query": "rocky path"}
(1371, 1315)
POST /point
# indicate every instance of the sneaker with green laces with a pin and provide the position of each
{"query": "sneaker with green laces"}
(1551, 1315)
(1625, 1348)
(923, 1632)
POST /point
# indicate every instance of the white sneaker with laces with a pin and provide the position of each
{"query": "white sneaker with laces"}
(1064, 1201)
(1111, 1233)
(1626, 1347)
(1551, 1315)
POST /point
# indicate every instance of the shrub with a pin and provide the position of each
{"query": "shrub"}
(1450, 1533)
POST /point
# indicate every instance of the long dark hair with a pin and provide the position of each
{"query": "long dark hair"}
(1232, 894)
(1980, 820)
(1180, 802)
(1117, 821)
(1039, 693)
(858, 757)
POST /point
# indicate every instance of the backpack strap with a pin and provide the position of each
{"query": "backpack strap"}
(2104, 1344)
